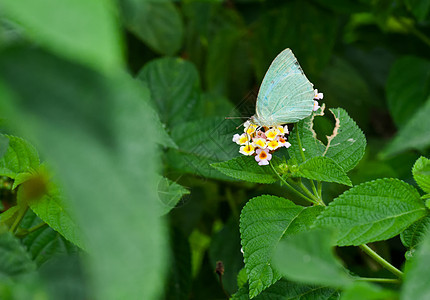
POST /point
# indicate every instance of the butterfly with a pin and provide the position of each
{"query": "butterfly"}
(285, 95)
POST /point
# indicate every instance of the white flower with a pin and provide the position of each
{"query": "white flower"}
(316, 106)
(283, 142)
(247, 150)
(236, 138)
(273, 145)
(263, 157)
(259, 143)
(318, 96)
(272, 133)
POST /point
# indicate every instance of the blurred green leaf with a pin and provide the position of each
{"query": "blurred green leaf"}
(322, 168)
(373, 211)
(263, 222)
(246, 168)
(169, 194)
(414, 135)
(175, 88)
(415, 284)
(308, 257)
(64, 278)
(347, 143)
(14, 260)
(311, 42)
(157, 23)
(94, 129)
(364, 290)
(283, 290)
(85, 31)
(344, 86)
(412, 236)
(202, 143)
(344, 6)
(420, 8)
(421, 172)
(180, 275)
(408, 87)
(20, 156)
(53, 209)
(44, 243)
(225, 247)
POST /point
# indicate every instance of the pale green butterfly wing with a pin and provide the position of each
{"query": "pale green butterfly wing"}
(286, 95)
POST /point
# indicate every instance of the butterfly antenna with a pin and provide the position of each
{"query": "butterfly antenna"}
(228, 118)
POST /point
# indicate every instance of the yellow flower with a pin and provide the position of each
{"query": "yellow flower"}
(247, 150)
(250, 129)
(273, 145)
(259, 142)
(272, 133)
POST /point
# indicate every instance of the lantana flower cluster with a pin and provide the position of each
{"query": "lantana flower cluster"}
(261, 142)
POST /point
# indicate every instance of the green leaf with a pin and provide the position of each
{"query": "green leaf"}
(91, 128)
(407, 87)
(415, 284)
(308, 257)
(364, 290)
(263, 222)
(323, 169)
(283, 290)
(169, 194)
(14, 260)
(242, 279)
(413, 135)
(156, 23)
(44, 243)
(373, 211)
(4, 144)
(420, 8)
(175, 88)
(85, 31)
(19, 157)
(246, 168)
(411, 237)
(421, 172)
(53, 210)
(347, 143)
(308, 138)
(202, 143)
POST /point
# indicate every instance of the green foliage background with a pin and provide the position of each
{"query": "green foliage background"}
(125, 103)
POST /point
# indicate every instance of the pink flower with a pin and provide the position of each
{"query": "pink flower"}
(260, 134)
(263, 156)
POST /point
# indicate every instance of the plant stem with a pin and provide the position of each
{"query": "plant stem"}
(299, 142)
(320, 189)
(381, 261)
(293, 190)
(18, 219)
(385, 280)
(425, 39)
(38, 226)
(310, 195)
(302, 154)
